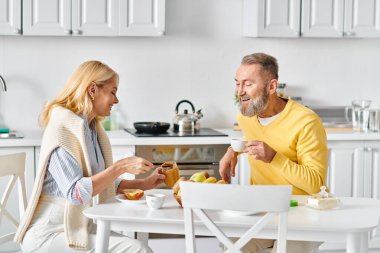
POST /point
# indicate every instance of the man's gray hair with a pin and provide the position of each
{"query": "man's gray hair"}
(268, 63)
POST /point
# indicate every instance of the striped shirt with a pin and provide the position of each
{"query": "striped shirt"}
(64, 177)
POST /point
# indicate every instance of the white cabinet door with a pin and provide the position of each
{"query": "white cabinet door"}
(47, 17)
(322, 18)
(362, 18)
(66, 17)
(95, 17)
(354, 168)
(142, 17)
(372, 171)
(344, 162)
(10, 17)
(271, 18)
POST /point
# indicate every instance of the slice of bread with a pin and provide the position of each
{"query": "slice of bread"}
(133, 194)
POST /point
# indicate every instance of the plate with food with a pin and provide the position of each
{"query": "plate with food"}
(131, 196)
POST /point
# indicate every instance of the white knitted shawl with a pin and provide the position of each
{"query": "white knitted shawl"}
(66, 129)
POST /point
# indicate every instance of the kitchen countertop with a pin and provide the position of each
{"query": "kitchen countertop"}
(122, 138)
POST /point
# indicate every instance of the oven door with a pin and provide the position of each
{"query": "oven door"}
(189, 158)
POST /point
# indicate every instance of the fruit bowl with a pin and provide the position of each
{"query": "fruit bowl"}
(199, 177)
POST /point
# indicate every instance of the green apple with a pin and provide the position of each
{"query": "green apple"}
(198, 177)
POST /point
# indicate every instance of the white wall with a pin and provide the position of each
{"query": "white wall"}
(195, 60)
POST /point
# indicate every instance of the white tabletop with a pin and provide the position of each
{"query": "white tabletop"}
(354, 215)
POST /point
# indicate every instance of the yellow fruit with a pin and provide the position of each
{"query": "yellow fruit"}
(205, 173)
(210, 180)
(221, 182)
(176, 185)
(198, 177)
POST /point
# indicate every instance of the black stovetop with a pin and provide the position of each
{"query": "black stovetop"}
(203, 132)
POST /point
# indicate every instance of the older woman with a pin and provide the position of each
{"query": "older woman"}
(76, 165)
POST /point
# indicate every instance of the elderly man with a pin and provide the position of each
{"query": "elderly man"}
(286, 142)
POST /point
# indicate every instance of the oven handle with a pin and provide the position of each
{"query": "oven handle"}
(196, 163)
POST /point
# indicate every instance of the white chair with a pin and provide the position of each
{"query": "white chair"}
(14, 166)
(271, 200)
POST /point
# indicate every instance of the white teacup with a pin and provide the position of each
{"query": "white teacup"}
(155, 201)
(238, 145)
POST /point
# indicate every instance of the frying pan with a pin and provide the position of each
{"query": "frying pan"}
(151, 127)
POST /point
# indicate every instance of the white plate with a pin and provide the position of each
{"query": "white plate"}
(124, 200)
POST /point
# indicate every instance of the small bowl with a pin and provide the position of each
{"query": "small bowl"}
(155, 201)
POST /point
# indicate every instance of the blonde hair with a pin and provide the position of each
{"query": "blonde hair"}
(74, 96)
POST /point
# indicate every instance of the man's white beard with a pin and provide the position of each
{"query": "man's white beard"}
(256, 105)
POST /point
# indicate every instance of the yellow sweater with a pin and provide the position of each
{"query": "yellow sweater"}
(299, 138)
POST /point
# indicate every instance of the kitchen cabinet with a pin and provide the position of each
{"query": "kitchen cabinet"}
(353, 168)
(322, 18)
(94, 17)
(340, 18)
(312, 18)
(10, 17)
(12, 204)
(66, 17)
(353, 171)
(142, 18)
(271, 18)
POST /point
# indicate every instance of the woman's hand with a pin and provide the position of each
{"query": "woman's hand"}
(134, 165)
(154, 179)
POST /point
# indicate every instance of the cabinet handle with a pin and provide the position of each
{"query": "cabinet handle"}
(17, 31)
(76, 32)
(370, 149)
(67, 31)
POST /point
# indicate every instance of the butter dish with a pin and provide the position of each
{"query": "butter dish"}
(323, 200)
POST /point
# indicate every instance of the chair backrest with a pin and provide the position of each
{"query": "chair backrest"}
(271, 200)
(14, 166)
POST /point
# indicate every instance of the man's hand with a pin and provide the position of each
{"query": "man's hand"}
(260, 151)
(227, 165)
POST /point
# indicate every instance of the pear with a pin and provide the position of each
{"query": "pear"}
(176, 185)
(198, 177)
(205, 173)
